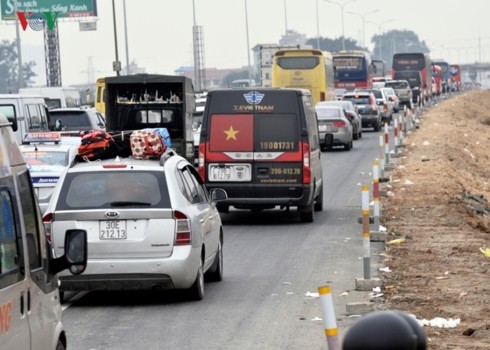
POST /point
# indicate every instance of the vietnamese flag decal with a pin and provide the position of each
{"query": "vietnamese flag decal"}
(231, 133)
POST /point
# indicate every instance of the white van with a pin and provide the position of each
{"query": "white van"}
(56, 96)
(26, 113)
(30, 310)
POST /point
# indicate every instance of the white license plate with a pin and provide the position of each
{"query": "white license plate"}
(322, 128)
(230, 172)
(112, 229)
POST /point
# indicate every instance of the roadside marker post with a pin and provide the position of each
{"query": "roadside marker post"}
(331, 330)
(375, 234)
(366, 245)
(387, 145)
(382, 158)
(395, 134)
(366, 283)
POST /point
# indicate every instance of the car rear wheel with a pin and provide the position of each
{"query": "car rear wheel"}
(319, 200)
(348, 146)
(307, 213)
(196, 291)
(215, 274)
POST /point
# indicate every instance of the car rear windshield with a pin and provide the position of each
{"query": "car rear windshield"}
(358, 100)
(72, 121)
(328, 113)
(46, 161)
(113, 189)
(398, 85)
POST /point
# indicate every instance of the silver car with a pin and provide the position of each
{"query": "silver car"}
(333, 123)
(151, 225)
(352, 114)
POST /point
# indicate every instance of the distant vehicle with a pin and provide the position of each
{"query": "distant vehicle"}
(352, 114)
(339, 93)
(384, 105)
(445, 73)
(332, 120)
(241, 83)
(414, 79)
(261, 146)
(152, 225)
(379, 68)
(392, 97)
(414, 61)
(47, 157)
(305, 69)
(56, 97)
(367, 107)
(353, 69)
(402, 90)
(437, 75)
(99, 99)
(27, 113)
(142, 101)
(30, 309)
(76, 119)
(456, 77)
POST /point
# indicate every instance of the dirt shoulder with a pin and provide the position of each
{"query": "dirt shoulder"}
(439, 202)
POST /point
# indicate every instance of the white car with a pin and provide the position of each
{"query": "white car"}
(151, 225)
(392, 97)
(47, 157)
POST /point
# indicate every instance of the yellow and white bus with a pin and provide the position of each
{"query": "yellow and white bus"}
(305, 68)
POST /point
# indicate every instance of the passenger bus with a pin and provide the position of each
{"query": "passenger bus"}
(305, 68)
(455, 77)
(353, 69)
(446, 73)
(437, 75)
(415, 61)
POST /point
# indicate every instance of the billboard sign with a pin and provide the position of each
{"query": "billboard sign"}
(47, 9)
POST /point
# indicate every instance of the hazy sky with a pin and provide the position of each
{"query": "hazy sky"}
(160, 31)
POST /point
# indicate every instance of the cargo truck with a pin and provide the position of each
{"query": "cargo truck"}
(140, 101)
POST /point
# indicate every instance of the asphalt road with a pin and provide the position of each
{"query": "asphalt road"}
(272, 262)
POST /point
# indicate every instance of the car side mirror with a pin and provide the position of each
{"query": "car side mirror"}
(75, 257)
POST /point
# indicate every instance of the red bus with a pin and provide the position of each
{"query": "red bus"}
(455, 77)
(415, 61)
(437, 74)
(353, 69)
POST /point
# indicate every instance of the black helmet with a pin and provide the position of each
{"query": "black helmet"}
(385, 330)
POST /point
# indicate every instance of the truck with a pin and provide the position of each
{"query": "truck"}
(140, 101)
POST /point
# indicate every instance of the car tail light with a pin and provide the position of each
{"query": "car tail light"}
(339, 124)
(183, 233)
(200, 165)
(48, 223)
(306, 164)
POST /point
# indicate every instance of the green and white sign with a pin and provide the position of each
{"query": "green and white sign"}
(55, 8)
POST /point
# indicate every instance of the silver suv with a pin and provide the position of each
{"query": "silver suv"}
(76, 119)
(151, 225)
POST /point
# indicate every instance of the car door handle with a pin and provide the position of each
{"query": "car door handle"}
(201, 220)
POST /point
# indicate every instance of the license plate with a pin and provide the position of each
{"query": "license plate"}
(322, 128)
(112, 229)
(230, 172)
